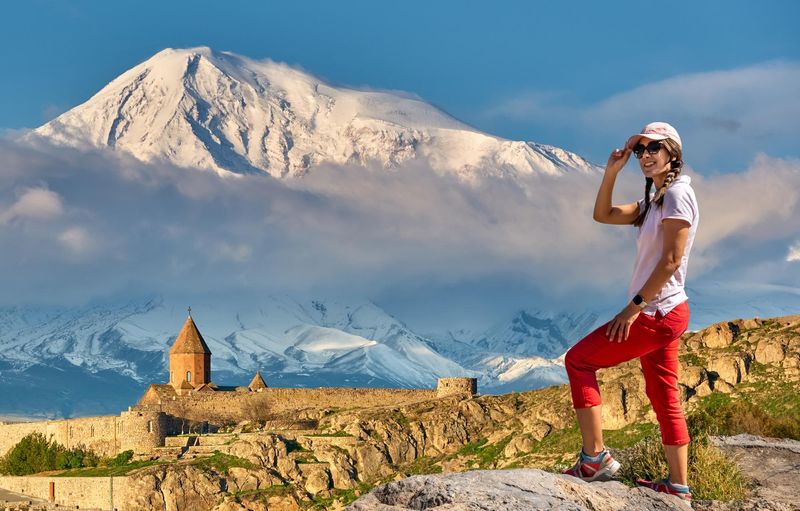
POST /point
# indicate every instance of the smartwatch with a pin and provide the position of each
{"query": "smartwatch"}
(639, 301)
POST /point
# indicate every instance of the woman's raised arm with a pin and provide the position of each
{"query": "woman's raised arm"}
(604, 211)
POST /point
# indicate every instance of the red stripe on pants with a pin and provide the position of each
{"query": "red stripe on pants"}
(654, 340)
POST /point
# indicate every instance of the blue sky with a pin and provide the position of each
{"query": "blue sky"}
(579, 75)
(582, 76)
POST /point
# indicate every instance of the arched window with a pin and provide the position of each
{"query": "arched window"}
(172, 376)
(189, 376)
(149, 426)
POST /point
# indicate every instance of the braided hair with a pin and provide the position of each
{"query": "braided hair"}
(676, 165)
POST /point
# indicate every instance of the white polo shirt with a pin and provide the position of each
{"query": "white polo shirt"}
(679, 202)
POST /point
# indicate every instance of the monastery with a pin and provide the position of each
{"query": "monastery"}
(192, 402)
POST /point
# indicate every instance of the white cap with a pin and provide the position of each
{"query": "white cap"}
(655, 131)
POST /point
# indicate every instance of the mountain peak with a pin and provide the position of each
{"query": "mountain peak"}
(219, 111)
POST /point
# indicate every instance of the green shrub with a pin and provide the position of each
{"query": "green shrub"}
(34, 454)
(222, 462)
(121, 459)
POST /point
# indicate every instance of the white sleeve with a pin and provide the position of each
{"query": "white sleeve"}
(679, 203)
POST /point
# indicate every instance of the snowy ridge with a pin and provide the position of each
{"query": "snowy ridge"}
(224, 112)
(278, 335)
(292, 342)
(102, 356)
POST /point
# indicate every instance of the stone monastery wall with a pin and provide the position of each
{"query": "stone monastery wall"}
(75, 492)
(96, 433)
(11, 434)
(225, 407)
(285, 399)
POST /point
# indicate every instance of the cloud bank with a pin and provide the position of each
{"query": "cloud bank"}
(78, 226)
(725, 117)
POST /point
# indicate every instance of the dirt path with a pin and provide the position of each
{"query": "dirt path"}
(772, 464)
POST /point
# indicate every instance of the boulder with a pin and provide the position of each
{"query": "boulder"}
(748, 324)
(518, 445)
(265, 450)
(717, 336)
(371, 462)
(691, 376)
(342, 469)
(242, 479)
(511, 490)
(316, 477)
(769, 351)
(728, 369)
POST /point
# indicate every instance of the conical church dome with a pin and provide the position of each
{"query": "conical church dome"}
(189, 340)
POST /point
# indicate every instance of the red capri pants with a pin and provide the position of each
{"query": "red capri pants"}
(654, 340)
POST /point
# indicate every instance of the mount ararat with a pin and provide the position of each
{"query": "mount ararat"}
(220, 111)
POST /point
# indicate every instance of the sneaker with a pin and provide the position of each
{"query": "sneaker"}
(664, 486)
(589, 471)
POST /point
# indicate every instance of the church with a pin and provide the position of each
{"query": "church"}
(190, 369)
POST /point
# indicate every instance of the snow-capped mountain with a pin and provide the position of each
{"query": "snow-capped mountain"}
(217, 110)
(100, 358)
(537, 333)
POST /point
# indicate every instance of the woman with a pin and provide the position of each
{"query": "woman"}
(650, 325)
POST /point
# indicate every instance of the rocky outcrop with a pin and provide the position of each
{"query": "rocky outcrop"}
(186, 487)
(511, 490)
(173, 488)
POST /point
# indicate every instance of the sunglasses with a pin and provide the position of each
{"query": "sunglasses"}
(652, 148)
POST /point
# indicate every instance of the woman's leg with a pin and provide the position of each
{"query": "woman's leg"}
(678, 462)
(660, 369)
(591, 426)
(596, 351)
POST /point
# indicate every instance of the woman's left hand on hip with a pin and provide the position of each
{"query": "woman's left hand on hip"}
(619, 327)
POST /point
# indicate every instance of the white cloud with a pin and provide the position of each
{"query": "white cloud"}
(724, 117)
(367, 232)
(76, 240)
(794, 253)
(34, 204)
(237, 252)
(533, 104)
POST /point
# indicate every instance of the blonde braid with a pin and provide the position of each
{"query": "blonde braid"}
(668, 179)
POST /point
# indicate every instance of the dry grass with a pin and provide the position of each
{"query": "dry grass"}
(712, 474)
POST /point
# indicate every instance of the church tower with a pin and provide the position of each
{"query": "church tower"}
(189, 359)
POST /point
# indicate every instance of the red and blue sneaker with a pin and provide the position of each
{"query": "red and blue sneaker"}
(598, 468)
(665, 486)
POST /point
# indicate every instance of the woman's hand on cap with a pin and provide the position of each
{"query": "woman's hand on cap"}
(617, 159)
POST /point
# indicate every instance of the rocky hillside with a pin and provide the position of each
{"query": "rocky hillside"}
(325, 459)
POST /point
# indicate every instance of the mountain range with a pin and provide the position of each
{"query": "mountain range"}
(219, 112)
(100, 358)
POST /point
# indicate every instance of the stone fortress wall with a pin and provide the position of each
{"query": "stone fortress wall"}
(451, 386)
(96, 433)
(75, 492)
(219, 408)
(146, 425)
